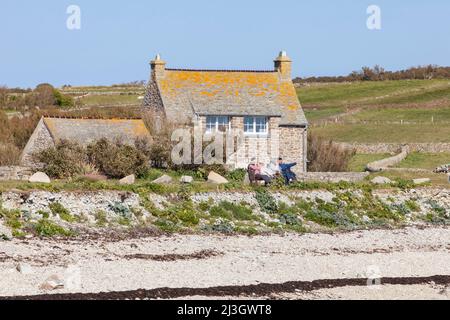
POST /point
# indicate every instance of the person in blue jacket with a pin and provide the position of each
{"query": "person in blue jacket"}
(285, 168)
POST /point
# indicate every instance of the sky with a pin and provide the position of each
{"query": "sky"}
(117, 39)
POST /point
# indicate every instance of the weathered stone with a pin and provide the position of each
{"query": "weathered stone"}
(39, 177)
(422, 181)
(216, 178)
(5, 232)
(131, 179)
(381, 180)
(52, 283)
(247, 180)
(163, 180)
(186, 179)
(24, 268)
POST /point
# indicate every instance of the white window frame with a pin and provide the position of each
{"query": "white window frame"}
(216, 129)
(254, 132)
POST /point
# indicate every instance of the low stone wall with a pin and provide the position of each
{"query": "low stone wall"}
(388, 162)
(15, 173)
(373, 148)
(332, 177)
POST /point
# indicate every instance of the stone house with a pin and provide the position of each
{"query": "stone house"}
(84, 131)
(263, 105)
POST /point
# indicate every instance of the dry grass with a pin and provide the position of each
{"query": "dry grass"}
(326, 156)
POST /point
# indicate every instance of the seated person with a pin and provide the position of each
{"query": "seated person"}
(256, 172)
(286, 171)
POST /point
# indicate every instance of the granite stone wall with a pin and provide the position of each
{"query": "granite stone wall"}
(41, 139)
(15, 173)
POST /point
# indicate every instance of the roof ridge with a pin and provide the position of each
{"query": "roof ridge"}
(222, 70)
(90, 118)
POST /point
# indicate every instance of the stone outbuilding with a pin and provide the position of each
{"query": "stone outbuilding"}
(263, 105)
(50, 131)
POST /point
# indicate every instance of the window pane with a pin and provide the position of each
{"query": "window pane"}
(248, 124)
(223, 124)
(211, 124)
(261, 125)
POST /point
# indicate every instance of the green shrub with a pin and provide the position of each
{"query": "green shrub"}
(58, 210)
(266, 201)
(183, 214)
(290, 219)
(223, 226)
(65, 160)
(237, 175)
(231, 211)
(101, 218)
(121, 210)
(412, 205)
(63, 100)
(331, 220)
(46, 228)
(220, 212)
(117, 160)
(12, 218)
(44, 214)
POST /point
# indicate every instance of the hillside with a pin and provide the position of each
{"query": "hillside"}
(385, 111)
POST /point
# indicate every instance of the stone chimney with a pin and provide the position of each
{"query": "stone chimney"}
(283, 64)
(158, 67)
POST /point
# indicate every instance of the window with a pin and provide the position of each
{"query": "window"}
(256, 125)
(217, 124)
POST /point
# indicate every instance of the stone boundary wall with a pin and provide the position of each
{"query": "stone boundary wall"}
(383, 164)
(373, 148)
(332, 177)
(15, 173)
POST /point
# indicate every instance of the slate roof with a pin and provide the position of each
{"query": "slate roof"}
(234, 93)
(85, 131)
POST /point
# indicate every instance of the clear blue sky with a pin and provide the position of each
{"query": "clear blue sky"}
(118, 38)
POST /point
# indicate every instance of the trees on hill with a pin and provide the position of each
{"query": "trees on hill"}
(378, 73)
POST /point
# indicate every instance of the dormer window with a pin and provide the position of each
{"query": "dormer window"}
(256, 125)
(217, 124)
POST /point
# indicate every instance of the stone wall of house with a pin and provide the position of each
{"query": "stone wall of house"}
(264, 148)
(40, 140)
(15, 173)
(293, 147)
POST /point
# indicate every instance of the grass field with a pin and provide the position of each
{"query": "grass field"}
(373, 93)
(110, 100)
(425, 160)
(372, 112)
(385, 133)
(359, 161)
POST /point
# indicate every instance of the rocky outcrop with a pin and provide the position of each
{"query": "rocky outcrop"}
(39, 177)
(216, 178)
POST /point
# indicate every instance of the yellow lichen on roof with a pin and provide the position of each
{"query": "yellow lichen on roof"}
(212, 83)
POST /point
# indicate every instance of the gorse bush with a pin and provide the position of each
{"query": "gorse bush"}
(113, 159)
(117, 160)
(65, 160)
